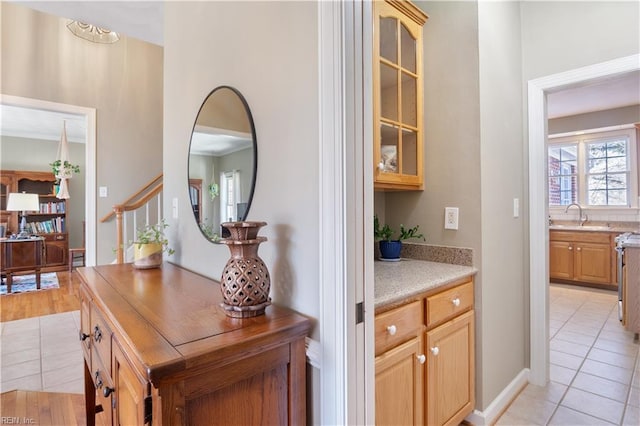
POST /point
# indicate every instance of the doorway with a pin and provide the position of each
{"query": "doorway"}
(89, 115)
(538, 210)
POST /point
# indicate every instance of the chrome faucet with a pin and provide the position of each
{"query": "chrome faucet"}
(582, 219)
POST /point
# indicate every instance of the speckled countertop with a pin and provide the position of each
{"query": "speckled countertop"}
(396, 282)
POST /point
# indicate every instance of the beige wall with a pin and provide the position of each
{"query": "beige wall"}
(595, 120)
(251, 46)
(35, 155)
(41, 59)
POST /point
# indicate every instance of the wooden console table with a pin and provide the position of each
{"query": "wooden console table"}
(159, 349)
(22, 255)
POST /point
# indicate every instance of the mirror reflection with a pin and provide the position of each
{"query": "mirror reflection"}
(222, 162)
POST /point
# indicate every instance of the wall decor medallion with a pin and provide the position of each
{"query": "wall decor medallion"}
(245, 281)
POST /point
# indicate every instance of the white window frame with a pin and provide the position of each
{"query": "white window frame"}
(582, 139)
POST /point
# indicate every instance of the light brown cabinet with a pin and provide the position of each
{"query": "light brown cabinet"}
(49, 222)
(425, 358)
(398, 95)
(159, 349)
(583, 257)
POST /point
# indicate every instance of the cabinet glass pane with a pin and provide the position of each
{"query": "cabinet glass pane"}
(3, 196)
(409, 153)
(388, 39)
(407, 49)
(389, 92)
(409, 100)
(389, 148)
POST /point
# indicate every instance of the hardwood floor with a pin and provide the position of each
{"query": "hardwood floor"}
(43, 302)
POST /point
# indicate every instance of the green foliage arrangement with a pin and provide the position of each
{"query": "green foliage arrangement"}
(150, 234)
(58, 165)
(385, 233)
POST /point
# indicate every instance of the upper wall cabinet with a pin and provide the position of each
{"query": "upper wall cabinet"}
(398, 95)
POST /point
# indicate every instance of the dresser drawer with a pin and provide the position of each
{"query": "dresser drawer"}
(397, 326)
(449, 303)
(100, 338)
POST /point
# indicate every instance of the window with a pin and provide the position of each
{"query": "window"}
(594, 170)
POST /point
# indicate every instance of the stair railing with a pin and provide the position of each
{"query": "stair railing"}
(136, 211)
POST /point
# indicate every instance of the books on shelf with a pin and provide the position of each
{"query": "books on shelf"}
(52, 207)
(55, 225)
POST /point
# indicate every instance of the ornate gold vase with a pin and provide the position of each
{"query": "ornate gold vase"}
(245, 281)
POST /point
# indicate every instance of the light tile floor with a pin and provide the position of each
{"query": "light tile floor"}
(594, 370)
(42, 354)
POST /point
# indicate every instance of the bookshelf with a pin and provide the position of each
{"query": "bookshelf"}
(50, 222)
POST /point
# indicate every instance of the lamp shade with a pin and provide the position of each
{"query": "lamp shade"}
(21, 201)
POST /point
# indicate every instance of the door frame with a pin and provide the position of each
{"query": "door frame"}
(538, 209)
(90, 160)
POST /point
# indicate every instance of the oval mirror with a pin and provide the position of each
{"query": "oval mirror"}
(223, 158)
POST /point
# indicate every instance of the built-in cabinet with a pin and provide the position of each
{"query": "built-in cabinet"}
(398, 95)
(159, 349)
(425, 355)
(583, 257)
(49, 222)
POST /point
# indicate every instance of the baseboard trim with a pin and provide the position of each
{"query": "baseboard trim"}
(501, 402)
(313, 352)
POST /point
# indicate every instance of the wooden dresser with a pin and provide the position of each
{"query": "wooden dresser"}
(159, 349)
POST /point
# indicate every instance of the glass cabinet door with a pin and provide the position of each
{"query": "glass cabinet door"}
(397, 98)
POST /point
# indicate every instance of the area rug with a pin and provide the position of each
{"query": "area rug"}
(24, 283)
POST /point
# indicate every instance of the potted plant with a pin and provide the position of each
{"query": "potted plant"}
(64, 169)
(390, 247)
(149, 245)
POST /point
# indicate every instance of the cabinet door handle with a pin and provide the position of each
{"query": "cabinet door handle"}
(83, 336)
(456, 302)
(570, 248)
(579, 249)
(435, 350)
(421, 358)
(392, 329)
(107, 391)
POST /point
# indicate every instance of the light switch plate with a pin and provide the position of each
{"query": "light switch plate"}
(103, 191)
(450, 218)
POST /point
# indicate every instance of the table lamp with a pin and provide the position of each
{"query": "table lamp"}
(23, 202)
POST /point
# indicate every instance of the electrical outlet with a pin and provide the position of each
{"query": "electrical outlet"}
(450, 218)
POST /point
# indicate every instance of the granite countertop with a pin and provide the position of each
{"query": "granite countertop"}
(396, 282)
(615, 227)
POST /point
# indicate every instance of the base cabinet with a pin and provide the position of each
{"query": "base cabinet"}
(425, 355)
(400, 384)
(583, 257)
(160, 350)
(450, 371)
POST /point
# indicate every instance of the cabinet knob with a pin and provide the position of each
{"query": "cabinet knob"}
(392, 329)
(578, 249)
(570, 248)
(381, 166)
(456, 302)
(107, 391)
(421, 358)
(435, 350)
(83, 336)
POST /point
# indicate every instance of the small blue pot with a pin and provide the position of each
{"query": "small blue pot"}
(390, 249)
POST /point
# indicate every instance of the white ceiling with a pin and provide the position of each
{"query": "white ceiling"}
(145, 19)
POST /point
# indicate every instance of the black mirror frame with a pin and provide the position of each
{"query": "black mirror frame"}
(255, 148)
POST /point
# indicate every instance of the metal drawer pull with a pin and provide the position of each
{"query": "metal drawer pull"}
(456, 302)
(107, 391)
(435, 350)
(421, 358)
(83, 336)
(392, 330)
